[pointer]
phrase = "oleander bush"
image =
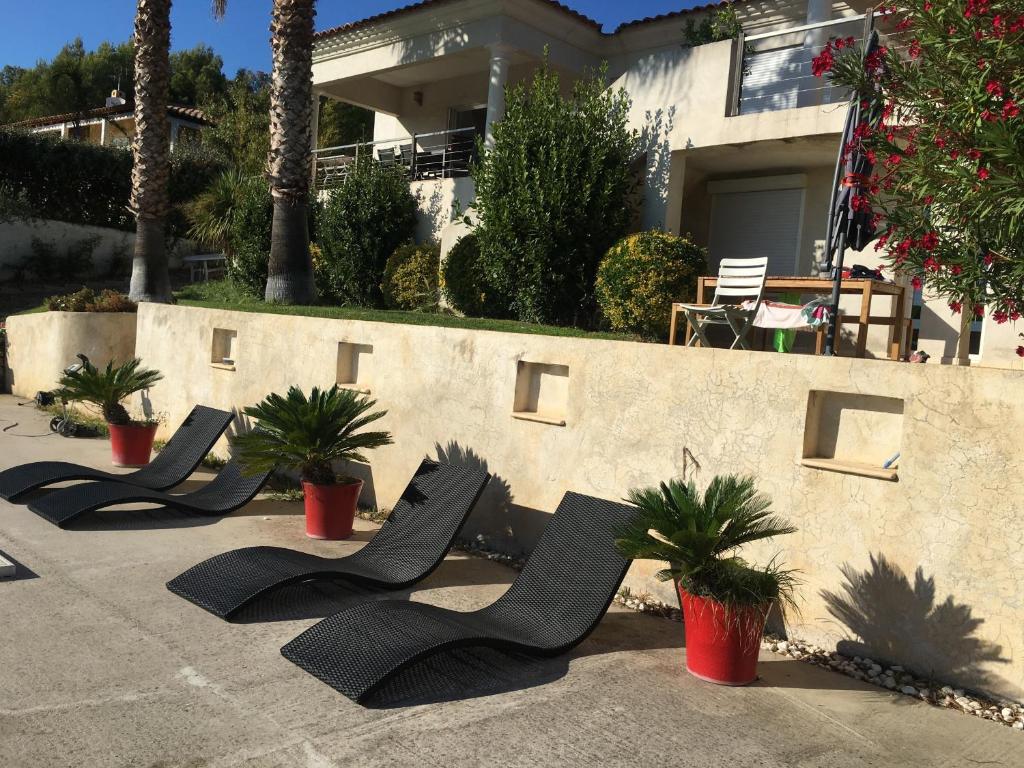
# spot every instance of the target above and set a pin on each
(642, 275)
(552, 197)
(411, 277)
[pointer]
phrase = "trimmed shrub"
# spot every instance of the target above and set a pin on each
(552, 197)
(642, 275)
(462, 277)
(360, 225)
(86, 300)
(248, 237)
(411, 277)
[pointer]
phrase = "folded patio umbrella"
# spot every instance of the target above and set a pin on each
(849, 224)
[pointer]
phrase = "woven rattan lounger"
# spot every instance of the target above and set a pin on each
(409, 546)
(228, 491)
(560, 596)
(172, 466)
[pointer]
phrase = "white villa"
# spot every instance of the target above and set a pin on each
(741, 138)
(744, 164)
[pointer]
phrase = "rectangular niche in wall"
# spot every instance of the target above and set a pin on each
(542, 392)
(224, 347)
(354, 366)
(853, 433)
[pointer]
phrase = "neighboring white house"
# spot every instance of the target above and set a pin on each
(114, 124)
(741, 139)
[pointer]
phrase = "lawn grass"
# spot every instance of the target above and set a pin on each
(223, 294)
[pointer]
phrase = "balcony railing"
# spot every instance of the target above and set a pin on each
(773, 70)
(437, 155)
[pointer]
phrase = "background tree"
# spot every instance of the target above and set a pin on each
(949, 185)
(290, 270)
(150, 149)
(551, 196)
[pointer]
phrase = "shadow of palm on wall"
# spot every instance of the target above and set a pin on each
(897, 621)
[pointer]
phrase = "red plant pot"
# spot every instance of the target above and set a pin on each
(131, 444)
(722, 643)
(330, 509)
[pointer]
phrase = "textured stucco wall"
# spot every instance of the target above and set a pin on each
(112, 252)
(934, 562)
(40, 346)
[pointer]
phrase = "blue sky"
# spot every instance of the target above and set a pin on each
(37, 29)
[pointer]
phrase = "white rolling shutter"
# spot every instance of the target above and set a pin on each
(746, 225)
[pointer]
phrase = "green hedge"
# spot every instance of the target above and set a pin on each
(359, 226)
(80, 183)
(642, 275)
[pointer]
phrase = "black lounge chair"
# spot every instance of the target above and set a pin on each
(409, 546)
(171, 466)
(228, 491)
(558, 599)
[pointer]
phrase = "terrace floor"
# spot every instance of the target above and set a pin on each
(101, 666)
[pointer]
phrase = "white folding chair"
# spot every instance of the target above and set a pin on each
(738, 279)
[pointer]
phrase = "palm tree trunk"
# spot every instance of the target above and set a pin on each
(290, 271)
(151, 165)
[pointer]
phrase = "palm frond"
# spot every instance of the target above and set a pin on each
(109, 387)
(310, 434)
(698, 536)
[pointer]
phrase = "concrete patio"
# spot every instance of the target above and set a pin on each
(101, 666)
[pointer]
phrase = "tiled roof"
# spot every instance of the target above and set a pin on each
(174, 110)
(672, 15)
(388, 15)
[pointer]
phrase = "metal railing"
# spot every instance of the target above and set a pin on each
(436, 155)
(772, 71)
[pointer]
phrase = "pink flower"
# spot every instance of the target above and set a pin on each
(1000, 317)
(989, 258)
(916, 283)
(988, 115)
(940, 142)
(956, 306)
(1010, 109)
(983, 173)
(979, 310)
(995, 88)
(915, 49)
(929, 240)
(956, 269)
(932, 264)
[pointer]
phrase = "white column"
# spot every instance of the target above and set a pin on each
(175, 127)
(314, 136)
(814, 41)
(103, 132)
(314, 122)
(500, 60)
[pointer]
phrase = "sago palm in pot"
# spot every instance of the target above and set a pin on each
(131, 441)
(312, 435)
(725, 600)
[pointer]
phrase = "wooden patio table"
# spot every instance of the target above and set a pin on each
(863, 287)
